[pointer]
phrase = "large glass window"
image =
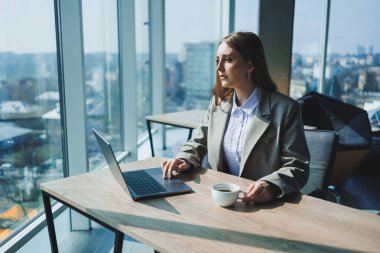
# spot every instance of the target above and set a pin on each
(352, 68)
(192, 30)
(247, 15)
(308, 21)
(103, 96)
(30, 118)
(353, 59)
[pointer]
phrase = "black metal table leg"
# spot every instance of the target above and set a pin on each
(150, 137)
(50, 222)
(119, 237)
(190, 133)
(163, 136)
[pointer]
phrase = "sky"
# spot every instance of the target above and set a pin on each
(352, 23)
(28, 26)
(191, 21)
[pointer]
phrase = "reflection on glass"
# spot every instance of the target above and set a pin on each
(306, 47)
(247, 15)
(30, 119)
(101, 75)
(190, 52)
(144, 84)
(353, 62)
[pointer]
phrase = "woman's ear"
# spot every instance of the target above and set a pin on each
(251, 68)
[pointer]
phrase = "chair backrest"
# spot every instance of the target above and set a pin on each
(322, 146)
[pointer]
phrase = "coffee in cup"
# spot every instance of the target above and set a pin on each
(225, 194)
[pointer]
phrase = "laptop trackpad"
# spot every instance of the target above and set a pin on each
(169, 184)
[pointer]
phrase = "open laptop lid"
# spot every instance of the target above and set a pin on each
(111, 161)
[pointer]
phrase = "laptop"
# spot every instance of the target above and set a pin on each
(140, 184)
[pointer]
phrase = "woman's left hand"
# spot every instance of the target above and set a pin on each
(259, 192)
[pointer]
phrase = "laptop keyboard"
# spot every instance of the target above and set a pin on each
(142, 183)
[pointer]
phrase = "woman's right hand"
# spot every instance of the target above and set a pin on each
(168, 167)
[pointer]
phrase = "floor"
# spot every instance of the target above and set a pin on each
(361, 191)
(99, 240)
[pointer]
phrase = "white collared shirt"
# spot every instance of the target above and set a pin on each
(237, 126)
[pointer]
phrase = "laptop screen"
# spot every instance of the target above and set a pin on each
(111, 160)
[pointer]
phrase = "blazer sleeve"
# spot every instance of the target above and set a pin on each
(294, 171)
(196, 148)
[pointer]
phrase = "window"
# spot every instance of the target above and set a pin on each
(353, 58)
(192, 30)
(30, 118)
(308, 21)
(352, 67)
(101, 57)
(247, 15)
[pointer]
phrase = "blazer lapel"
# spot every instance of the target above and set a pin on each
(256, 128)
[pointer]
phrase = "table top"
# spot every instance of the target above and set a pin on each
(194, 223)
(189, 119)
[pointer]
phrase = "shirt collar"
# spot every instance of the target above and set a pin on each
(249, 105)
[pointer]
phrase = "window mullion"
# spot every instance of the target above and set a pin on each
(74, 104)
(227, 17)
(127, 61)
(324, 42)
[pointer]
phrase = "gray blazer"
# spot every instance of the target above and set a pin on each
(274, 148)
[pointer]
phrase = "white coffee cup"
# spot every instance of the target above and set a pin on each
(225, 194)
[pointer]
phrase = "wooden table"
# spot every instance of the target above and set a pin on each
(185, 119)
(194, 223)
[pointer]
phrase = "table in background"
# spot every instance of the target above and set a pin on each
(185, 119)
(194, 223)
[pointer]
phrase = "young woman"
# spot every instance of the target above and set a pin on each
(250, 130)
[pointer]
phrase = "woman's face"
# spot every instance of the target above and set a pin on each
(232, 69)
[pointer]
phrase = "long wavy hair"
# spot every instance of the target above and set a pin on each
(251, 49)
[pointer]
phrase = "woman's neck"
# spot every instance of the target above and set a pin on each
(242, 94)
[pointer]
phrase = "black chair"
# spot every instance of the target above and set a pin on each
(322, 146)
